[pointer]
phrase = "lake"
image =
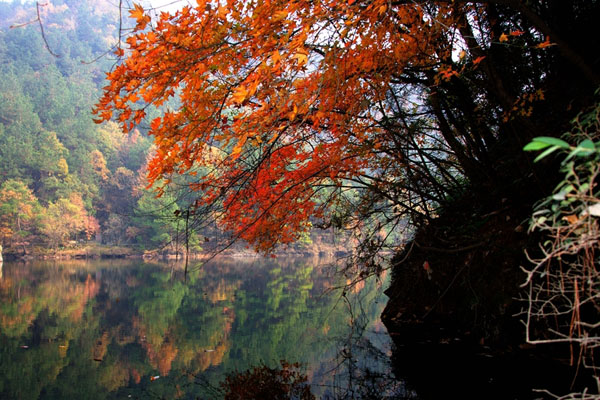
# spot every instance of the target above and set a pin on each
(131, 329)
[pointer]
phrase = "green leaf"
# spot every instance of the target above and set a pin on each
(579, 152)
(588, 145)
(552, 141)
(568, 188)
(545, 153)
(584, 153)
(534, 146)
(559, 196)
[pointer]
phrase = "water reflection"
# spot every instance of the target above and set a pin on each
(136, 330)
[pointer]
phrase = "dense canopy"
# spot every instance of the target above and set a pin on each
(334, 111)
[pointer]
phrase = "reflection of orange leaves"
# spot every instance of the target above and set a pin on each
(91, 288)
(79, 297)
(122, 337)
(503, 38)
(136, 376)
(77, 312)
(100, 347)
(24, 317)
(211, 357)
(166, 355)
(160, 351)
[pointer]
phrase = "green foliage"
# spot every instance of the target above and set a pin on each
(563, 279)
(575, 194)
(48, 140)
(157, 220)
(551, 144)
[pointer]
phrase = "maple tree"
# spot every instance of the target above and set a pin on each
(340, 111)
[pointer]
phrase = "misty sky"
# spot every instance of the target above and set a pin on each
(163, 5)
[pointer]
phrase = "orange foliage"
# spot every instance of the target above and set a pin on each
(135, 375)
(91, 288)
(211, 357)
(98, 164)
(91, 227)
(77, 297)
(25, 315)
(166, 355)
(101, 346)
(160, 351)
(288, 87)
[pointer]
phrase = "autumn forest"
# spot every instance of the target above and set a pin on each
(63, 178)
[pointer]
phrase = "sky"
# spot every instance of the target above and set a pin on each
(170, 5)
(162, 5)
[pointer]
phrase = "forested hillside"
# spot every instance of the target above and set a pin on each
(64, 178)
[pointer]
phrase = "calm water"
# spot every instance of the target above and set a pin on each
(116, 329)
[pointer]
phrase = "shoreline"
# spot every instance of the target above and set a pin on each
(96, 252)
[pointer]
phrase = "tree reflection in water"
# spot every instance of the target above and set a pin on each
(363, 369)
(107, 330)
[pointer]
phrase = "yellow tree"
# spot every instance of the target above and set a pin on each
(64, 219)
(18, 208)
